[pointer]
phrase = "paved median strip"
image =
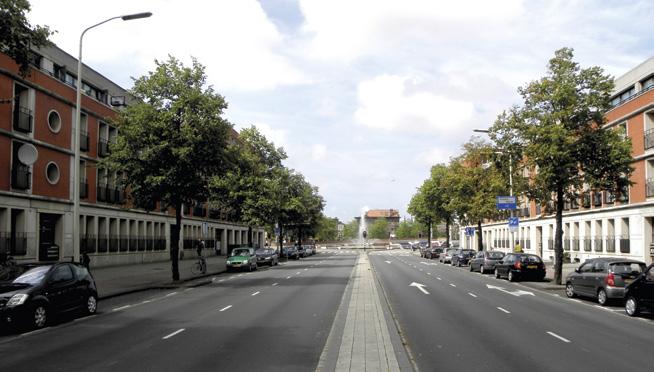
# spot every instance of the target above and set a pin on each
(174, 333)
(557, 336)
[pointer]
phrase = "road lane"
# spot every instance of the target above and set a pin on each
(283, 327)
(468, 330)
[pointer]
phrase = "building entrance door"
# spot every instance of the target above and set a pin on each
(48, 248)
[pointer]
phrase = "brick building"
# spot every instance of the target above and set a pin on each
(599, 222)
(392, 216)
(36, 201)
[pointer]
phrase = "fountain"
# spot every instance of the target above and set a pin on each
(362, 227)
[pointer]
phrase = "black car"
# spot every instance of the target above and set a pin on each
(516, 266)
(433, 252)
(32, 293)
(640, 293)
(461, 257)
(267, 256)
(485, 261)
(290, 252)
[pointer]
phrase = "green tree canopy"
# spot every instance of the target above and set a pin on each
(560, 129)
(327, 229)
(17, 36)
(172, 140)
(378, 229)
(351, 229)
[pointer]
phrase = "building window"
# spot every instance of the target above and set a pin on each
(54, 121)
(23, 115)
(648, 83)
(84, 134)
(21, 175)
(52, 173)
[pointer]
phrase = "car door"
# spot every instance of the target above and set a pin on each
(646, 290)
(475, 262)
(503, 268)
(580, 280)
(60, 288)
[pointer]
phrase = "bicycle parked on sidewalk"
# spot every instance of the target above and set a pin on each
(200, 266)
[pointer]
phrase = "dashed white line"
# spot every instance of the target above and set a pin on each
(298, 273)
(557, 336)
(439, 278)
(188, 289)
(274, 284)
(171, 294)
(174, 333)
(146, 301)
(226, 308)
(255, 293)
(472, 294)
(221, 280)
(122, 308)
(428, 273)
(452, 285)
(288, 277)
(306, 269)
(504, 310)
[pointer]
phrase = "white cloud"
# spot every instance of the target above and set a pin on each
(385, 103)
(276, 136)
(434, 156)
(318, 152)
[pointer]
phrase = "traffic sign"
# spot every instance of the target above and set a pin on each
(470, 231)
(514, 222)
(505, 202)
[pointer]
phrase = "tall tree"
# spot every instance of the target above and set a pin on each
(172, 141)
(351, 229)
(17, 36)
(420, 207)
(440, 190)
(564, 142)
(378, 229)
(327, 229)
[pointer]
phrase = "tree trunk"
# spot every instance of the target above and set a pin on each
(174, 243)
(429, 234)
(447, 232)
(480, 237)
(280, 240)
(250, 236)
(558, 237)
(299, 236)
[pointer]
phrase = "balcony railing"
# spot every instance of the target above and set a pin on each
(114, 243)
(609, 197)
(199, 211)
(141, 242)
(124, 243)
(133, 244)
(650, 187)
(574, 203)
(575, 244)
(103, 243)
(21, 177)
(525, 212)
(649, 139)
(625, 245)
(587, 244)
(88, 243)
(566, 244)
(14, 244)
(586, 202)
(84, 140)
(23, 119)
(149, 243)
(597, 198)
(103, 147)
(610, 243)
(598, 245)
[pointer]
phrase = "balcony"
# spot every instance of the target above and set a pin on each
(15, 244)
(141, 242)
(597, 198)
(586, 201)
(103, 147)
(124, 243)
(625, 245)
(149, 243)
(575, 244)
(84, 140)
(114, 243)
(609, 197)
(598, 245)
(83, 189)
(524, 212)
(133, 244)
(103, 243)
(624, 195)
(21, 177)
(23, 119)
(574, 203)
(87, 243)
(650, 187)
(199, 210)
(649, 139)
(587, 244)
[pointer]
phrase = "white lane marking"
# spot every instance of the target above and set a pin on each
(557, 336)
(419, 286)
(608, 309)
(221, 280)
(298, 273)
(472, 294)
(146, 301)
(239, 275)
(288, 277)
(174, 333)
(171, 294)
(122, 308)
(421, 270)
(439, 278)
(504, 310)
(255, 293)
(274, 284)
(452, 285)
(306, 269)
(388, 262)
(428, 273)
(226, 308)
(188, 289)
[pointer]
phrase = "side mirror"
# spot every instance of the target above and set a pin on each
(577, 270)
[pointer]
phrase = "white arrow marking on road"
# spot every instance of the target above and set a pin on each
(174, 333)
(388, 262)
(517, 293)
(419, 286)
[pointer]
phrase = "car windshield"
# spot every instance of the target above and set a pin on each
(261, 251)
(32, 276)
(530, 259)
(240, 252)
(495, 255)
(627, 267)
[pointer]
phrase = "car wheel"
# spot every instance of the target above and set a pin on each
(91, 305)
(481, 269)
(602, 298)
(497, 273)
(631, 306)
(511, 276)
(570, 290)
(39, 316)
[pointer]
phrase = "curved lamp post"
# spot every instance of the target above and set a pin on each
(78, 115)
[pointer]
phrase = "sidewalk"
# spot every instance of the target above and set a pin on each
(116, 280)
(366, 343)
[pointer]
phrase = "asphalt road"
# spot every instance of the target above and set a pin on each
(462, 324)
(274, 319)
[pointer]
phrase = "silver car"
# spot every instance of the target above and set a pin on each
(446, 257)
(603, 278)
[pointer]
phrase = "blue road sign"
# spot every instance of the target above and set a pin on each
(505, 202)
(470, 231)
(514, 222)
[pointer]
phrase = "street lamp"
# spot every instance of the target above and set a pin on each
(78, 118)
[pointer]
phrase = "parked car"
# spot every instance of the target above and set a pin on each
(603, 278)
(485, 261)
(518, 266)
(405, 245)
(290, 252)
(640, 293)
(446, 257)
(267, 256)
(36, 292)
(243, 259)
(461, 257)
(308, 250)
(300, 251)
(434, 252)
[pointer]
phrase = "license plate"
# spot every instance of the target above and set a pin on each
(532, 266)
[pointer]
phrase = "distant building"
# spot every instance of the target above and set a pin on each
(391, 215)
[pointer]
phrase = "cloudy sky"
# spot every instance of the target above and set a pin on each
(364, 95)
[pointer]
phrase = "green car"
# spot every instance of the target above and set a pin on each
(242, 258)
